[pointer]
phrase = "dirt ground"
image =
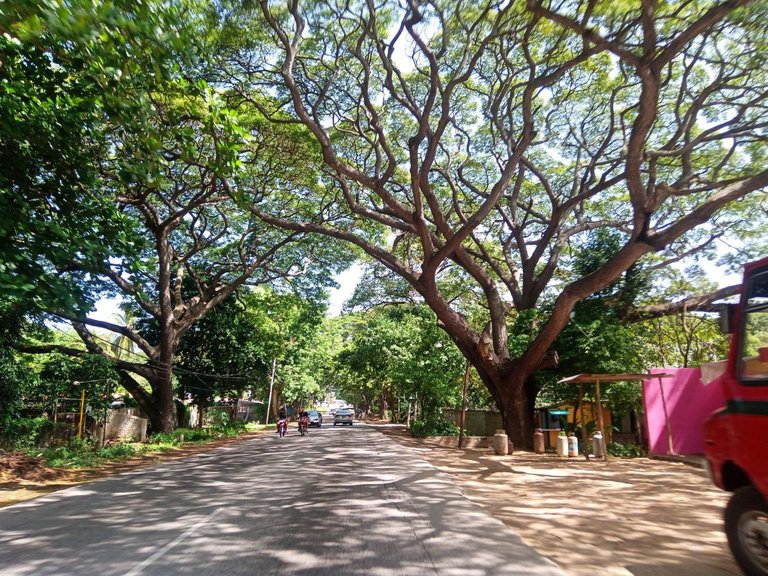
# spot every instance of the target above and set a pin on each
(623, 517)
(25, 477)
(637, 517)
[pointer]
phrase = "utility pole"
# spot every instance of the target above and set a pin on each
(80, 424)
(271, 385)
(463, 416)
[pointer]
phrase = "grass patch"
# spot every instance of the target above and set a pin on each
(81, 454)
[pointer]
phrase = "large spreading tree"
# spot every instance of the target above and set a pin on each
(167, 147)
(487, 142)
(198, 249)
(472, 150)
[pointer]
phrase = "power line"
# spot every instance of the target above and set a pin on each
(174, 369)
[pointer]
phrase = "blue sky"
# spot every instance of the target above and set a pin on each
(107, 310)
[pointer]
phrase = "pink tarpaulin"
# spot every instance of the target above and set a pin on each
(688, 404)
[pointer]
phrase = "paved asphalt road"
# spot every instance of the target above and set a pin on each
(341, 500)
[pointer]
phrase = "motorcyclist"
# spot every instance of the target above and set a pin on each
(304, 420)
(282, 422)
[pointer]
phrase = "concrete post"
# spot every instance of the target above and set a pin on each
(500, 443)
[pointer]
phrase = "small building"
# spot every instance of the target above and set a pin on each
(249, 410)
(565, 416)
(677, 408)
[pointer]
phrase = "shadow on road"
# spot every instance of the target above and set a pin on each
(623, 517)
(338, 501)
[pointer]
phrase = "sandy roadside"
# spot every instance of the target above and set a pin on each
(623, 517)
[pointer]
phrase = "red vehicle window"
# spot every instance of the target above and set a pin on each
(753, 357)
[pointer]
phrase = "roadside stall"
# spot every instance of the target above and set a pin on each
(597, 379)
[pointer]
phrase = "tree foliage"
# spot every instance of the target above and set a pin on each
(229, 352)
(292, 330)
(12, 379)
(509, 163)
(53, 104)
(488, 143)
(398, 353)
(169, 169)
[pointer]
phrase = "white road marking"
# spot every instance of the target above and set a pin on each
(168, 547)
(289, 456)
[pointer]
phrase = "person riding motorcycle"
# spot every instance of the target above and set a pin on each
(303, 422)
(282, 422)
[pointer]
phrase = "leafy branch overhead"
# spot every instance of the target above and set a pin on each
(500, 162)
(165, 169)
(495, 140)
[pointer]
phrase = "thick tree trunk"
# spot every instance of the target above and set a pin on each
(514, 394)
(202, 406)
(159, 406)
(516, 412)
(383, 408)
(164, 419)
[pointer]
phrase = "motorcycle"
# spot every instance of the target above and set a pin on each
(282, 427)
(303, 425)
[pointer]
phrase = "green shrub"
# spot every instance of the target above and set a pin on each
(222, 427)
(223, 424)
(218, 418)
(163, 438)
(624, 450)
(79, 453)
(25, 433)
(118, 452)
(181, 435)
(76, 454)
(195, 434)
(433, 426)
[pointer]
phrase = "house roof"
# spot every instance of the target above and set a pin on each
(618, 377)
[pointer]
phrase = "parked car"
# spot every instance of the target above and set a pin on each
(343, 416)
(315, 418)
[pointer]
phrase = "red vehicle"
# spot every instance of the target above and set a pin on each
(736, 437)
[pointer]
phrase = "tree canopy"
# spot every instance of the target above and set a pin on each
(503, 163)
(491, 142)
(398, 353)
(168, 148)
